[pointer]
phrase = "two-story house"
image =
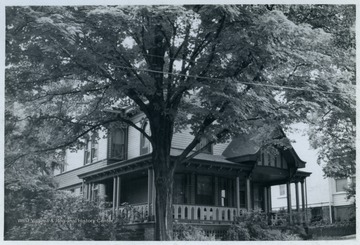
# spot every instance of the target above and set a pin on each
(211, 189)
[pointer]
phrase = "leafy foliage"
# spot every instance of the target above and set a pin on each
(253, 226)
(187, 232)
(70, 217)
(220, 70)
(26, 196)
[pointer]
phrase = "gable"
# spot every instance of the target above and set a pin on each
(245, 148)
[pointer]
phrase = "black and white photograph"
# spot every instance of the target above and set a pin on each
(179, 122)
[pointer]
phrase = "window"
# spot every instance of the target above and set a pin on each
(87, 151)
(144, 142)
(224, 190)
(91, 149)
(316, 214)
(118, 144)
(203, 142)
(282, 190)
(204, 190)
(341, 184)
(94, 148)
(179, 196)
(242, 199)
(62, 168)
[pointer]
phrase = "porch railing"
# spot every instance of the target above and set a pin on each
(204, 213)
(282, 218)
(131, 213)
(138, 213)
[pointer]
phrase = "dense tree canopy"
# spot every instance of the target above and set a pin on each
(220, 70)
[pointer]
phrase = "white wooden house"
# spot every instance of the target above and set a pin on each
(213, 188)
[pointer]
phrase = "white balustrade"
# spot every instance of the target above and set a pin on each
(205, 213)
(139, 213)
(134, 212)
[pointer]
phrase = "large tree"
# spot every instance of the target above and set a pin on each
(218, 70)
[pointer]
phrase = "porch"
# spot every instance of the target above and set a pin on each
(206, 190)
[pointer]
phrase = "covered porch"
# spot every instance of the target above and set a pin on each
(207, 189)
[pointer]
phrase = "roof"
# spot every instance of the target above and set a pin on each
(241, 146)
(145, 159)
(204, 157)
(247, 145)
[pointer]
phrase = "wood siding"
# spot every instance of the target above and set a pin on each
(339, 199)
(71, 178)
(183, 139)
(133, 142)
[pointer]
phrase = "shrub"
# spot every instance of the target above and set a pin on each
(186, 232)
(70, 218)
(238, 232)
(253, 226)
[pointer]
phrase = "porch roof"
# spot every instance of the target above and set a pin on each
(204, 157)
(144, 161)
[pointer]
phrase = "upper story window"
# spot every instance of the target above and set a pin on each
(144, 142)
(62, 168)
(204, 142)
(91, 149)
(272, 159)
(118, 144)
(341, 185)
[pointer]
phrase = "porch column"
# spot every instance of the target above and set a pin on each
(118, 192)
(114, 193)
(288, 192)
(266, 205)
(150, 192)
(237, 192)
(91, 186)
(297, 196)
(248, 194)
(83, 189)
(269, 198)
(303, 200)
(306, 200)
(298, 219)
(268, 195)
(153, 201)
(89, 191)
(86, 190)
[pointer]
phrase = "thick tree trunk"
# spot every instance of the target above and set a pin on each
(164, 214)
(164, 175)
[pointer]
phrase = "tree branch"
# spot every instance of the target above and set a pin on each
(8, 163)
(192, 155)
